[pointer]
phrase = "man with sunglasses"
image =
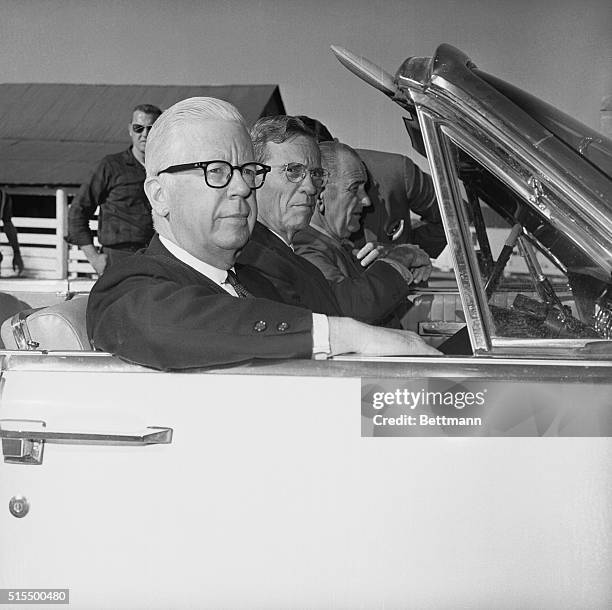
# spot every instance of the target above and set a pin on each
(116, 186)
(184, 301)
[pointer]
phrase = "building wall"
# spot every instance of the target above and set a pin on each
(561, 50)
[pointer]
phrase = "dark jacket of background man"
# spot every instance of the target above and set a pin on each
(125, 212)
(396, 187)
(116, 185)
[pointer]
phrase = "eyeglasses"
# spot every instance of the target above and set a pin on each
(137, 128)
(218, 174)
(296, 172)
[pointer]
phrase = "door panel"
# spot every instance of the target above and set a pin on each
(269, 497)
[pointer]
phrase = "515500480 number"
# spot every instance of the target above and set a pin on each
(38, 596)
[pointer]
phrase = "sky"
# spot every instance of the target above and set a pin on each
(559, 50)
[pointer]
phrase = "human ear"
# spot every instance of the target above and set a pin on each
(157, 195)
(321, 205)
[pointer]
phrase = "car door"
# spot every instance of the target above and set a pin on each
(267, 494)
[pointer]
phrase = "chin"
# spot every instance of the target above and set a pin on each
(302, 222)
(236, 240)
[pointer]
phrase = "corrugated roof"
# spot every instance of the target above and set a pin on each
(56, 133)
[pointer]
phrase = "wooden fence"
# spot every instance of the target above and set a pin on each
(45, 252)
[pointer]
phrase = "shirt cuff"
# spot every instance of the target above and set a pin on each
(321, 349)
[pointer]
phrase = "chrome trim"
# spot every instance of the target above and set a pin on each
(366, 70)
(21, 332)
(439, 329)
(587, 217)
(537, 193)
(538, 344)
(586, 142)
(19, 506)
(448, 196)
(25, 451)
(471, 100)
(518, 367)
(23, 442)
(155, 435)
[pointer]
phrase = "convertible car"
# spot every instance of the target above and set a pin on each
(271, 484)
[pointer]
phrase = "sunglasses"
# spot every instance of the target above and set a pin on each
(137, 128)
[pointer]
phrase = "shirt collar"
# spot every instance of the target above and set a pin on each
(279, 236)
(218, 276)
(131, 159)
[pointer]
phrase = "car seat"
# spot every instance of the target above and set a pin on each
(60, 327)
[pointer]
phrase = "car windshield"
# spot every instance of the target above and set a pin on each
(538, 282)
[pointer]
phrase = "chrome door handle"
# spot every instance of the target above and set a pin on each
(25, 446)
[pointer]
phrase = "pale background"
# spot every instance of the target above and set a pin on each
(558, 50)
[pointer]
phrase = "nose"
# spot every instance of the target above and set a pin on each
(307, 186)
(237, 186)
(364, 199)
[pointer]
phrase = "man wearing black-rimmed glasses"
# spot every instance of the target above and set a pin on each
(116, 186)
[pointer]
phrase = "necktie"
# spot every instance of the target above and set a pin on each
(241, 291)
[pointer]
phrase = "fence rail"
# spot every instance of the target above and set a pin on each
(45, 252)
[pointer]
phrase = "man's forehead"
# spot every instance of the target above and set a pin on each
(215, 129)
(301, 146)
(142, 118)
(352, 166)
(211, 138)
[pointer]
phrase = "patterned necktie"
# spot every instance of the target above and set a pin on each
(241, 291)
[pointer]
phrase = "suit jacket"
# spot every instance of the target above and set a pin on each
(396, 186)
(297, 281)
(155, 310)
(370, 294)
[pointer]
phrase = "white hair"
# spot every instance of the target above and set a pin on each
(158, 151)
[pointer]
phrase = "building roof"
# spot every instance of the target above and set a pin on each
(54, 134)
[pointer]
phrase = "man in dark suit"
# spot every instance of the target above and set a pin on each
(285, 205)
(183, 302)
(325, 242)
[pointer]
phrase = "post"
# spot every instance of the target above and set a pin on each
(605, 123)
(61, 231)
